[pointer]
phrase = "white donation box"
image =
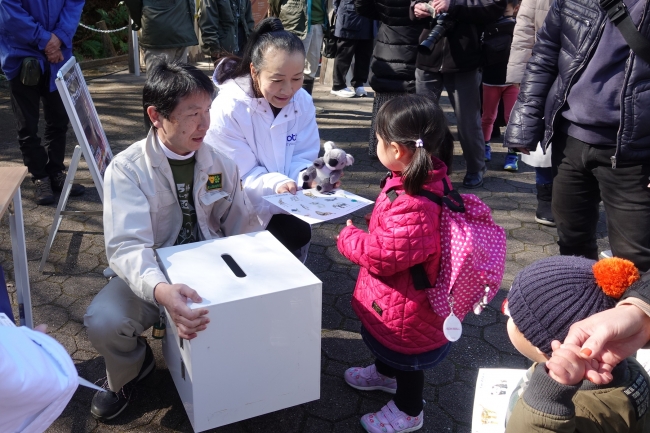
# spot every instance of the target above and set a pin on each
(261, 350)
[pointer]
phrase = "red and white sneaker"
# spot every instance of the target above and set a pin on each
(391, 420)
(368, 379)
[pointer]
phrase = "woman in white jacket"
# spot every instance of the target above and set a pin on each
(266, 123)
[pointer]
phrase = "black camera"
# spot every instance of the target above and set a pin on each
(443, 25)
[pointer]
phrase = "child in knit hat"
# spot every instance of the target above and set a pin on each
(546, 298)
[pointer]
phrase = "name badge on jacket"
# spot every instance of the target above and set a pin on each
(214, 182)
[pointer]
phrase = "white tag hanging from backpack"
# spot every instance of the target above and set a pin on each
(452, 328)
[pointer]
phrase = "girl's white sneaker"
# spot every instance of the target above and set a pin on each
(391, 420)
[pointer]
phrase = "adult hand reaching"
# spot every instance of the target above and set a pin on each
(174, 297)
(287, 187)
(440, 6)
(608, 338)
(420, 11)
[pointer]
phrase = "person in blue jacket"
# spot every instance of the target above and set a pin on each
(35, 42)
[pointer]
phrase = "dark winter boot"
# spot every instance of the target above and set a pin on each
(308, 84)
(544, 215)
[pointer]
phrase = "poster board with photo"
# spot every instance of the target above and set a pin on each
(92, 143)
(84, 120)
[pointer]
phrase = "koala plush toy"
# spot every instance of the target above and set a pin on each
(327, 170)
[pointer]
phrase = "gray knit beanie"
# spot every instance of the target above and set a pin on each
(550, 295)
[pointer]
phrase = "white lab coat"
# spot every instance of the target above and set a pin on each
(38, 380)
(269, 151)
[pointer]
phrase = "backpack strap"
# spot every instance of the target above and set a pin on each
(453, 200)
(392, 195)
(619, 16)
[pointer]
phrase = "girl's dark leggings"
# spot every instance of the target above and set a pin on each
(410, 386)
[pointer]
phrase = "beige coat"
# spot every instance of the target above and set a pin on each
(530, 18)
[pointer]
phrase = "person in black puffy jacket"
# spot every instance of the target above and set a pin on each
(585, 91)
(454, 64)
(392, 67)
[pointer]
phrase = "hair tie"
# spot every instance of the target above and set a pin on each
(419, 143)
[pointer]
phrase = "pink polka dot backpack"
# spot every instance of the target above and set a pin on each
(473, 256)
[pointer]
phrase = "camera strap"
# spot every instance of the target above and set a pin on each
(619, 16)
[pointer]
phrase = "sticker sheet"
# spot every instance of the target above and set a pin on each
(314, 207)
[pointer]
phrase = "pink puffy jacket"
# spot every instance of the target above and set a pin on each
(402, 233)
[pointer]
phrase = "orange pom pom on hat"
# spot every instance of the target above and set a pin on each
(614, 275)
(550, 295)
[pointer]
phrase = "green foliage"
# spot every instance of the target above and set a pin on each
(88, 44)
(93, 47)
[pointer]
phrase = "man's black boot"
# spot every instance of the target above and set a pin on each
(108, 405)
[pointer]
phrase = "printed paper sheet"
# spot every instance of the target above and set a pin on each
(494, 386)
(314, 207)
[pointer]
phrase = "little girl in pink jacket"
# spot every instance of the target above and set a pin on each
(399, 325)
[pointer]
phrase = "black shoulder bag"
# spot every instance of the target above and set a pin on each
(619, 16)
(329, 40)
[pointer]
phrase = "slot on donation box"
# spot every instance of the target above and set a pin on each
(261, 350)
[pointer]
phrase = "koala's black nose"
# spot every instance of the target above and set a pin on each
(333, 162)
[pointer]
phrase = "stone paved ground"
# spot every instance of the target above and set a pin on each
(73, 276)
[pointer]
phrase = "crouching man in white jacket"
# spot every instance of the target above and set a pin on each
(167, 189)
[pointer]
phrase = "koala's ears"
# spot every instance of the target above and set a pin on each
(349, 159)
(329, 145)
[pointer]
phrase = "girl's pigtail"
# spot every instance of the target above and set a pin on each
(416, 173)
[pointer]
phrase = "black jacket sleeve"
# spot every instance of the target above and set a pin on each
(640, 289)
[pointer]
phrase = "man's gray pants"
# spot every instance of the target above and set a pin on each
(465, 98)
(115, 319)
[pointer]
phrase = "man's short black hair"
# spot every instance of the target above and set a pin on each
(167, 83)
